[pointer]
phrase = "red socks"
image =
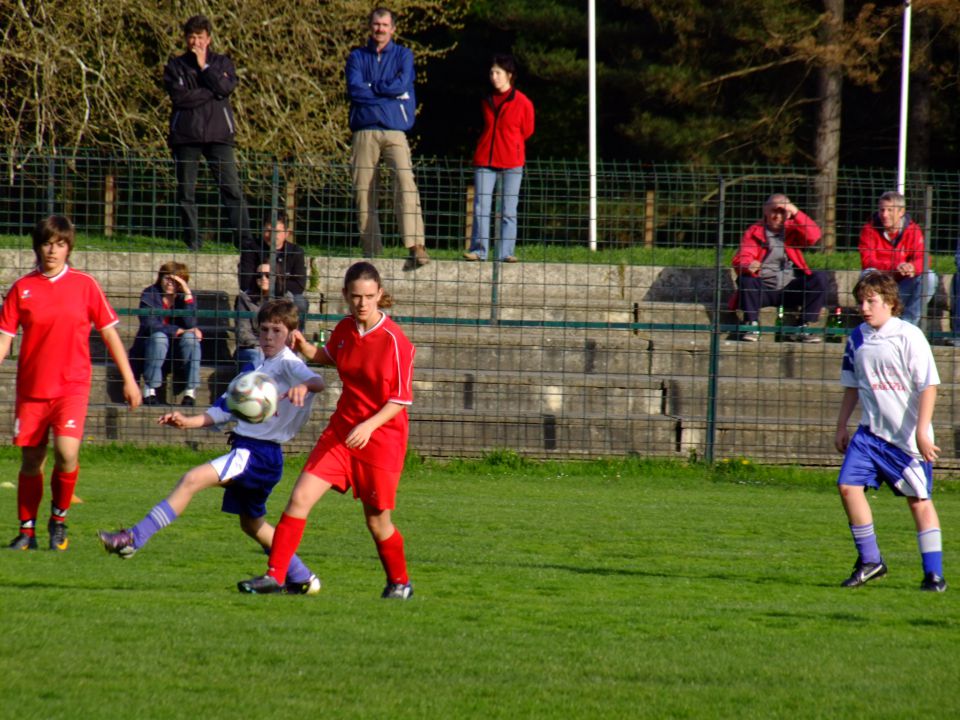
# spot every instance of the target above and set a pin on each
(29, 493)
(392, 557)
(286, 540)
(62, 485)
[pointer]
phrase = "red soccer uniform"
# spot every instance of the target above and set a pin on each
(55, 314)
(376, 367)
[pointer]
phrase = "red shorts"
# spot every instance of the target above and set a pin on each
(34, 419)
(332, 461)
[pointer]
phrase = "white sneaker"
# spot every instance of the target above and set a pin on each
(751, 335)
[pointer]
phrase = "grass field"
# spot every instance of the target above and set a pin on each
(598, 590)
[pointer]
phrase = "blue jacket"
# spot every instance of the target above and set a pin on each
(380, 87)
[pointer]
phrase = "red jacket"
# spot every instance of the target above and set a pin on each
(798, 232)
(881, 254)
(505, 130)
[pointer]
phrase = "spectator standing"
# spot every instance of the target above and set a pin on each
(200, 83)
(55, 305)
(508, 121)
(160, 332)
(891, 242)
(380, 84)
(290, 264)
(771, 270)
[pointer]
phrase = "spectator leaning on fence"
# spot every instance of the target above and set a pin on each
(290, 269)
(893, 243)
(380, 78)
(200, 83)
(771, 269)
(160, 332)
(507, 124)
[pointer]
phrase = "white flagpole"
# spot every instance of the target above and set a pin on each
(904, 95)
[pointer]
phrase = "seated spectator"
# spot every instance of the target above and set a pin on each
(771, 270)
(159, 333)
(893, 243)
(248, 340)
(290, 272)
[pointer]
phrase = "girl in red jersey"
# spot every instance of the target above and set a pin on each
(55, 305)
(364, 445)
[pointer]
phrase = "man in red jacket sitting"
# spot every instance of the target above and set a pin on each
(771, 269)
(893, 243)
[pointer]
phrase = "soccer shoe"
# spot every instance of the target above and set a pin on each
(397, 591)
(23, 542)
(260, 585)
(119, 542)
(310, 587)
(864, 573)
(58, 535)
(933, 583)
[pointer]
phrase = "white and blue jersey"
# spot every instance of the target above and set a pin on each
(890, 366)
(254, 464)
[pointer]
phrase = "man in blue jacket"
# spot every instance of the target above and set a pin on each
(380, 79)
(199, 83)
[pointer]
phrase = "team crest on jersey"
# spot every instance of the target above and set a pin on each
(25, 294)
(71, 424)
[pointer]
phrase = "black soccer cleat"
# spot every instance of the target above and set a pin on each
(864, 573)
(260, 585)
(118, 543)
(933, 583)
(58, 535)
(397, 591)
(23, 542)
(311, 586)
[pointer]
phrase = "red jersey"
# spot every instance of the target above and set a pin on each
(55, 314)
(376, 367)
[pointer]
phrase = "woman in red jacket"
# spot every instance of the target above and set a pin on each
(508, 122)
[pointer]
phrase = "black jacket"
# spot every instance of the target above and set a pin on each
(201, 99)
(291, 270)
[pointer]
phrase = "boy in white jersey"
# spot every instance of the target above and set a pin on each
(889, 368)
(249, 472)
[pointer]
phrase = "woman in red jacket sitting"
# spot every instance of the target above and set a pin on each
(508, 122)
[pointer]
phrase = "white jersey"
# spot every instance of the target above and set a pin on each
(890, 367)
(287, 369)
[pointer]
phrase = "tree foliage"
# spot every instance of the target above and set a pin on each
(88, 73)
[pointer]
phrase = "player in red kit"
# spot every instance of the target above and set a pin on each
(55, 306)
(364, 445)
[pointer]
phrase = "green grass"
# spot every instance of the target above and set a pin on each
(589, 590)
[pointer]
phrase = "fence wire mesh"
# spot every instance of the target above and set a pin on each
(571, 352)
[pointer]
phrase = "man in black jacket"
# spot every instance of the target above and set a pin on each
(199, 83)
(289, 264)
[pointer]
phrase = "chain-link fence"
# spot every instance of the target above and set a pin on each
(571, 352)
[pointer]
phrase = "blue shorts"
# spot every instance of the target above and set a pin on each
(252, 469)
(871, 460)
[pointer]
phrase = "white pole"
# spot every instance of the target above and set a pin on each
(592, 102)
(904, 95)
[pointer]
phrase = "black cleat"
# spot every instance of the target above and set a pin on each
(397, 591)
(933, 583)
(864, 573)
(23, 542)
(309, 587)
(58, 535)
(260, 585)
(118, 543)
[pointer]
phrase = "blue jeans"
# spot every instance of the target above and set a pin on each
(915, 294)
(251, 355)
(188, 353)
(485, 180)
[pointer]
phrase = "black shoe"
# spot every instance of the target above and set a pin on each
(397, 591)
(864, 573)
(151, 400)
(188, 401)
(933, 583)
(58, 535)
(119, 542)
(261, 585)
(23, 542)
(309, 587)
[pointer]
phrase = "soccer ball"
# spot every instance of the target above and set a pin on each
(252, 397)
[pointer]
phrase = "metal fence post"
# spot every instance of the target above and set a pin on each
(715, 330)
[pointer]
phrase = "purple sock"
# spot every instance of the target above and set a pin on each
(297, 572)
(866, 541)
(159, 517)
